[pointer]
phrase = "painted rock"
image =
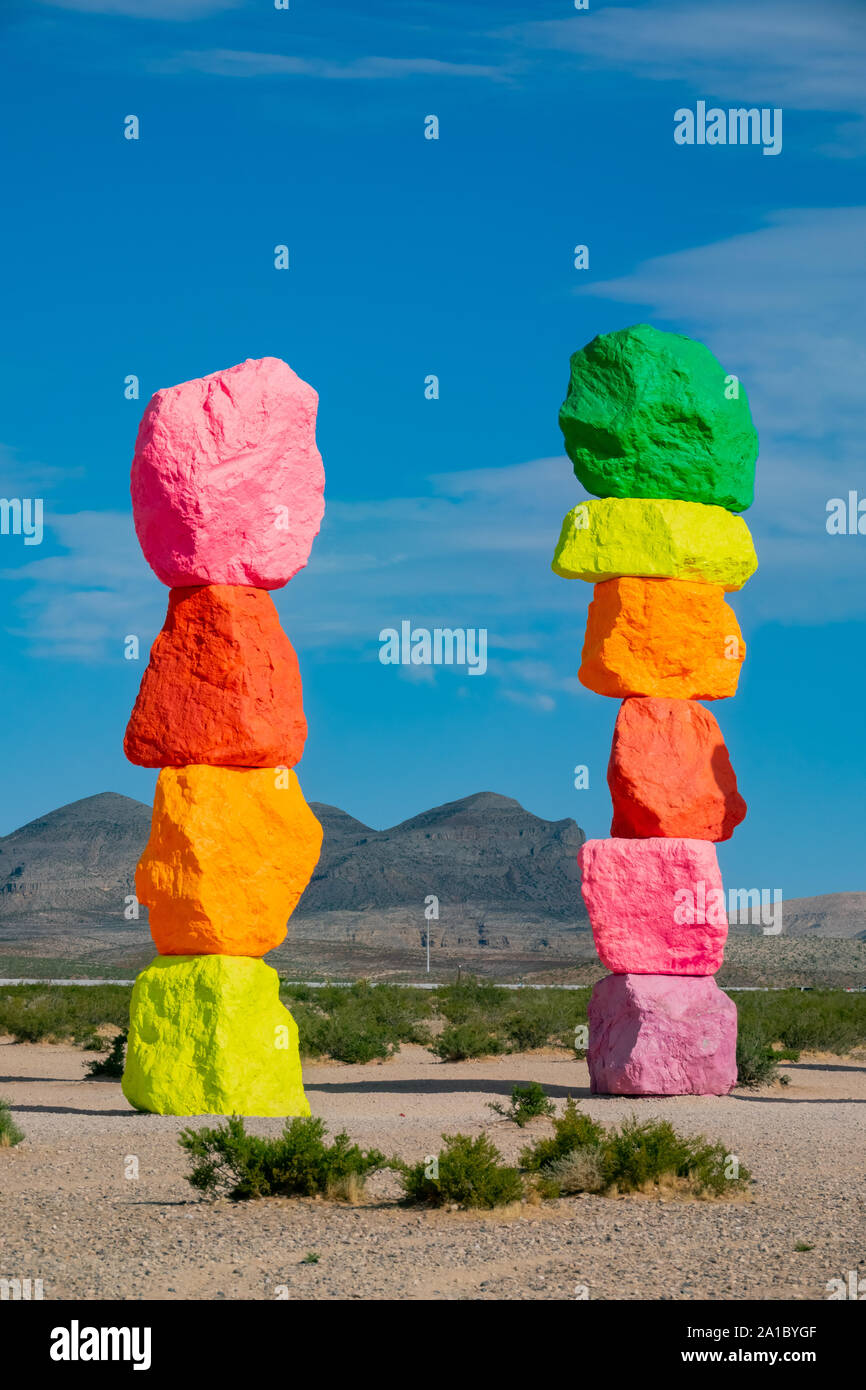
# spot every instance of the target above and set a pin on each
(230, 852)
(657, 907)
(661, 1035)
(227, 482)
(209, 1036)
(664, 637)
(655, 538)
(222, 686)
(670, 773)
(652, 414)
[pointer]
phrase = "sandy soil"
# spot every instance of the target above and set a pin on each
(73, 1215)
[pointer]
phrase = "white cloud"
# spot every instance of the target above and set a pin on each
(29, 478)
(473, 553)
(531, 700)
(788, 53)
(226, 62)
(781, 307)
(81, 604)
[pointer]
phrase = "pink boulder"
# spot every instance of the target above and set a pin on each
(227, 482)
(657, 907)
(661, 1035)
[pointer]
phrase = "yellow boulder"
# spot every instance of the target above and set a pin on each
(230, 852)
(209, 1036)
(654, 538)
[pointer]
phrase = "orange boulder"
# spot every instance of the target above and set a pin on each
(231, 850)
(222, 685)
(670, 774)
(664, 637)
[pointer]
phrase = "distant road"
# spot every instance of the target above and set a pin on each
(346, 984)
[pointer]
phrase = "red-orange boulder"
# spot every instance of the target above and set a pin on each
(670, 774)
(222, 686)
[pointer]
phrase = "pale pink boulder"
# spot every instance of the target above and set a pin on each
(661, 1035)
(657, 906)
(227, 482)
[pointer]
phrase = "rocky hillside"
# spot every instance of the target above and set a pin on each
(503, 878)
(479, 856)
(77, 861)
(484, 850)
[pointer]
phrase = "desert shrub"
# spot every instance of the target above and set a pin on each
(458, 1041)
(542, 1017)
(10, 1134)
(57, 1013)
(571, 1130)
(526, 1103)
(819, 1020)
(112, 1065)
(348, 1036)
(359, 1023)
(757, 1063)
(581, 1156)
(525, 1031)
(642, 1154)
(581, 1170)
(297, 992)
(470, 1174)
(472, 999)
(228, 1162)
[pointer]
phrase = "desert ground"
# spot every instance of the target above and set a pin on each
(73, 1214)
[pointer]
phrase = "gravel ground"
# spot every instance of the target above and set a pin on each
(73, 1214)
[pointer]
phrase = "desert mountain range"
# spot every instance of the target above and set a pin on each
(502, 876)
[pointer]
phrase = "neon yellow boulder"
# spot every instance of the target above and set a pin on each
(654, 538)
(209, 1036)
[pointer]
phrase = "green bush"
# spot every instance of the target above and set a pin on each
(544, 1017)
(521, 1019)
(297, 992)
(10, 1134)
(471, 999)
(526, 1103)
(57, 1013)
(458, 1041)
(228, 1162)
(470, 1174)
(361, 1023)
(819, 1020)
(581, 1156)
(571, 1130)
(112, 1065)
(757, 1063)
(645, 1153)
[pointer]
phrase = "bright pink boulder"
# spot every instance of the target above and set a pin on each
(661, 1035)
(657, 907)
(227, 482)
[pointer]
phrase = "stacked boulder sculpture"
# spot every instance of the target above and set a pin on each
(664, 439)
(227, 494)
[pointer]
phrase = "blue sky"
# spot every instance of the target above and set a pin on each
(453, 257)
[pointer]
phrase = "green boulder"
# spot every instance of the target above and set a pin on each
(652, 414)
